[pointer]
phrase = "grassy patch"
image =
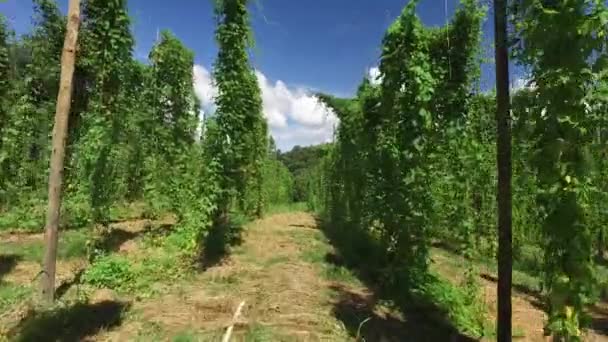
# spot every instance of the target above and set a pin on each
(316, 250)
(72, 244)
(339, 274)
(27, 216)
(143, 276)
(113, 272)
(11, 294)
(127, 211)
(259, 333)
(186, 336)
(280, 259)
(27, 251)
(464, 310)
(286, 208)
(453, 264)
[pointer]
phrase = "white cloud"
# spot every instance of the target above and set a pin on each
(294, 116)
(374, 76)
(204, 88)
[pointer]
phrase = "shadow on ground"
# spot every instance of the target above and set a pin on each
(73, 323)
(599, 319)
(113, 239)
(536, 299)
(65, 286)
(364, 323)
(215, 247)
(419, 320)
(303, 226)
(7, 263)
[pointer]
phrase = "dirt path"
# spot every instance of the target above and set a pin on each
(294, 289)
(274, 271)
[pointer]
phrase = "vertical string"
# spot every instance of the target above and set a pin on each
(447, 35)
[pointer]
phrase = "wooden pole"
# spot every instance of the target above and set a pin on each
(64, 98)
(503, 145)
(235, 317)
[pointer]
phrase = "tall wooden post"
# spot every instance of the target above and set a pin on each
(503, 145)
(64, 98)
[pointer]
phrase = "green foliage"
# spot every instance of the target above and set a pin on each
(568, 99)
(27, 104)
(11, 294)
(101, 150)
(241, 141)
(465, 312)
(178, 177)
(72, 244)
(278, 182)
(414, 156)
(113, 272)
(404, 168)
(300, 161)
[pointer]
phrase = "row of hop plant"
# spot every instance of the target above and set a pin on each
(414, 157)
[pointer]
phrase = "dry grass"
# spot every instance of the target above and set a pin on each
(528, 315)
(283, 294)
(280, 271)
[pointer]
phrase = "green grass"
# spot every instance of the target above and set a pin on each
(280, 259)
(466, 312)
(144, 276)
(286, 208)
(339, 274)
(259, 333)
(72, 244)
(486, 265)
(316, 250)
(11, 294)
(314, 246)
(186, 336)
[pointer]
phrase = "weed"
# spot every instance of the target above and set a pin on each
(339, 274)
(185, 337)
(112, 272)
(11, 294)
(259, 333)
(72, 244)
(28, 251)
(466, 313)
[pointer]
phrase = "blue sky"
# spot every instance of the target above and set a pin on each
(320, 45)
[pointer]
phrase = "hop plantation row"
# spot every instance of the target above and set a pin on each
(419, 158)
(414, 161)
(134, 132)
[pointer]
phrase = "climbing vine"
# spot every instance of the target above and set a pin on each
(566, 89)
(107, 45)
(242, 137)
